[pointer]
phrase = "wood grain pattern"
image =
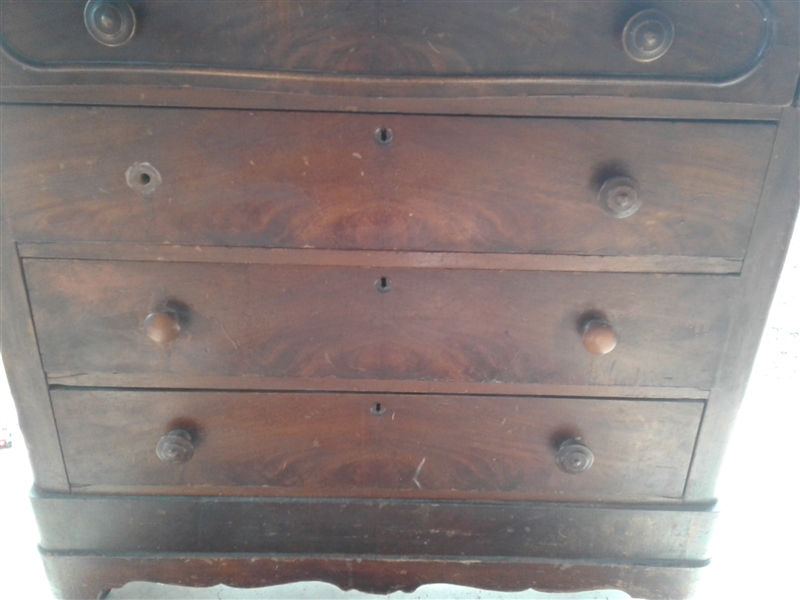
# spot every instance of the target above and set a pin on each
(325, 322)
(407, 316)
(124, 523)
(87, 575)
(500, 38)
(436, 444)
(296, 180)
(732, 52)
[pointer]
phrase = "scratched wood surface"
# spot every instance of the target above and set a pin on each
(492, 359)
(297, 180)
(335, 443)
(501, 38)
(412, 527)
(432, 56)
(87, 575)
(329, 322)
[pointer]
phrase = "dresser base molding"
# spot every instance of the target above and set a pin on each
(88, 576)
(91, 543)
(378, 527)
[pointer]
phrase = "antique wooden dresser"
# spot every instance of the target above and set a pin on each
(386, 293)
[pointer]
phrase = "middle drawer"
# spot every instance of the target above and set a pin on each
(231, 320)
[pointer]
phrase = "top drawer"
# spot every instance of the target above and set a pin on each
(429, 49)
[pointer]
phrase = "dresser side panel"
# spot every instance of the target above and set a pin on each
(23, 366)
(765, 256)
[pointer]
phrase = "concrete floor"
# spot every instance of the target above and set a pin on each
(755, 550)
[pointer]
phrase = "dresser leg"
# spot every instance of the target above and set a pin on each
(79, 578)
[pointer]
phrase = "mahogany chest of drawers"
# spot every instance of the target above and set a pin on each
(387, 293)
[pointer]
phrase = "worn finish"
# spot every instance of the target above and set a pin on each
(436, 325)
(176, 447)
(648, 35)
(573, 457)
(216, 382)
(24, 370)
(473, 300)
(381, 259)
(84, 522)
(444, 184)
(593, 106)
(399, 50)
(599, 336)
(771, 235)
(316, 443)
(82, 575)
(110, 22)
(499, 39)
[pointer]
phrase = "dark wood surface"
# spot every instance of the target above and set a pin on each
(408, 386)
(373, 445)
(501, 38)
(444, 184)
(591, 106)
(99, 532)
(326, 322)
(125, 523)
(77, 575)
(381, 258)
(770, 241)
(396, 50)
(263, 239)
(23, 366)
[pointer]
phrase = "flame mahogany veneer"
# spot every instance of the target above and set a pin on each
(388, 293)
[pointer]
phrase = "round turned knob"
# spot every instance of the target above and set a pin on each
(599, 337)
(175, 447)
(619, 196)
(573, 457)
(110, 22)
(648, 35)
(162, 327)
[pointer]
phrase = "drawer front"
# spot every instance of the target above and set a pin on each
(369, 324)
(328, 444)
(566, 43)
(299, 180)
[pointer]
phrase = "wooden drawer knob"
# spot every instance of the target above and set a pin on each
(619, 196)
(163, 326)
(175, 447)
(599, 337)
(648, 35)
(574, 457)
(110, 22)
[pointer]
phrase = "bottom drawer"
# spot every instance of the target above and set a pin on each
(376, 445)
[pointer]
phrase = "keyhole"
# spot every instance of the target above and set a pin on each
(383, 284)
(143, 177)
(384, 135)
(378, 409)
